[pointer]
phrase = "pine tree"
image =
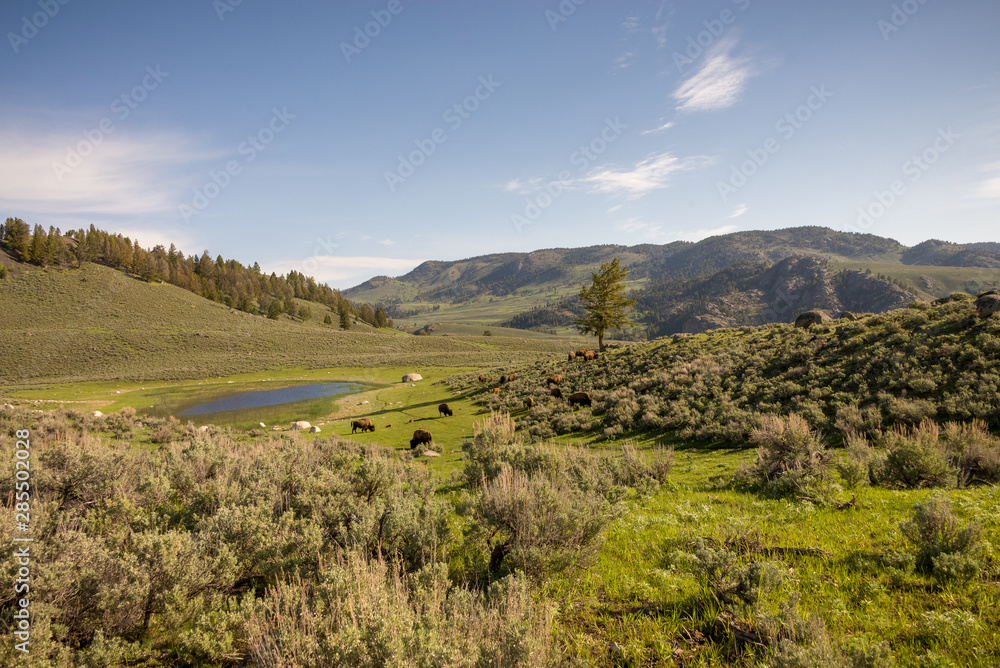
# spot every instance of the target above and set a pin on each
(345, 317)
(605, 303)
(380, 319)
(36, 249)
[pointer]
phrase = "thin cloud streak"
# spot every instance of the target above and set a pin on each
(719, 82)
(122, 175)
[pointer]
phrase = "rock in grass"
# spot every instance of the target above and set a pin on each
(810, 318)
(98, 414)
(262, 425)
(301, 424)
(412, 377)
(313, 430)
(431, 453)
(987, 305)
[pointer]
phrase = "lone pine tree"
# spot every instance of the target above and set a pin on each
(605, 302)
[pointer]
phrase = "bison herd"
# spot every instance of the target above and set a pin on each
(583, 354)
(576, 399)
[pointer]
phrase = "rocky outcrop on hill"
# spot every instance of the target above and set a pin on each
(754, 294)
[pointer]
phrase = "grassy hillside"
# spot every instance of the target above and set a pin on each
(892, 369)
(98, 323)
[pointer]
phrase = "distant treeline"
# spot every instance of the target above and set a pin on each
(224, 281)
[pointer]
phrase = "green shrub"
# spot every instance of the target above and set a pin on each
(973, 450)
(934, 531)
(790, 458)
(949, 569)
(539, 525)
(916, 458)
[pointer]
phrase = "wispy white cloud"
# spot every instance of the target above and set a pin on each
(344, 271)
(523, 186)
(719, 82)
(123, 174)
(655, 232)
(639, 228)
(739, 211)
(624, 60)
(660, 34)
(653, 173)
(665, 126)
(989, 188)
(631, 22)
(704, 233)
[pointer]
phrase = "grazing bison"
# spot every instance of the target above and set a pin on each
(556, 392)
(444, 409)
(555, 380)
(529, 402)
(503, 380)
(581, 398)
(582, 352)
(511, 378)
(589, 355)
(364, 424)
(572, 356)
(420, 436)
(482, 378)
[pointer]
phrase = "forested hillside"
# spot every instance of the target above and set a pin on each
(229, 282)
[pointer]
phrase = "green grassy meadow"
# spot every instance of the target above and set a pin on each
(695, 567)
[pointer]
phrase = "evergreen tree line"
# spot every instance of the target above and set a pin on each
(224, 281)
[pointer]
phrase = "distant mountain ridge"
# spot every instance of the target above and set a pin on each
(739, 278)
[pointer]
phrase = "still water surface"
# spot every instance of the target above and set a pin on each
(285, 395)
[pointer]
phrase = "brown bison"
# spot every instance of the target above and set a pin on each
(581, 398)
(589, 355)
(572, 356)
(582, 352)
(511, 378)
(420, 437)
(444, 409)
(556, 392)
(482, 378)
(555, 380)
(503, 380)
(364, 424)
(529, 402)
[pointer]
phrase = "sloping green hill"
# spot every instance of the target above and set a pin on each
(98, 323)
(896, 368)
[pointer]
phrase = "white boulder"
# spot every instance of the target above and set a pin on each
(301, 424)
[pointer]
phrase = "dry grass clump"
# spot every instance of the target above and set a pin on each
(365, 612)
(790, 456)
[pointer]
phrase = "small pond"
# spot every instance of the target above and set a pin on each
(259, 398)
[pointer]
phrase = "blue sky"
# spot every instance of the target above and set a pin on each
(348, 140)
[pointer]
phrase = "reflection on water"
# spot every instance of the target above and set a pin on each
(285, 395)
